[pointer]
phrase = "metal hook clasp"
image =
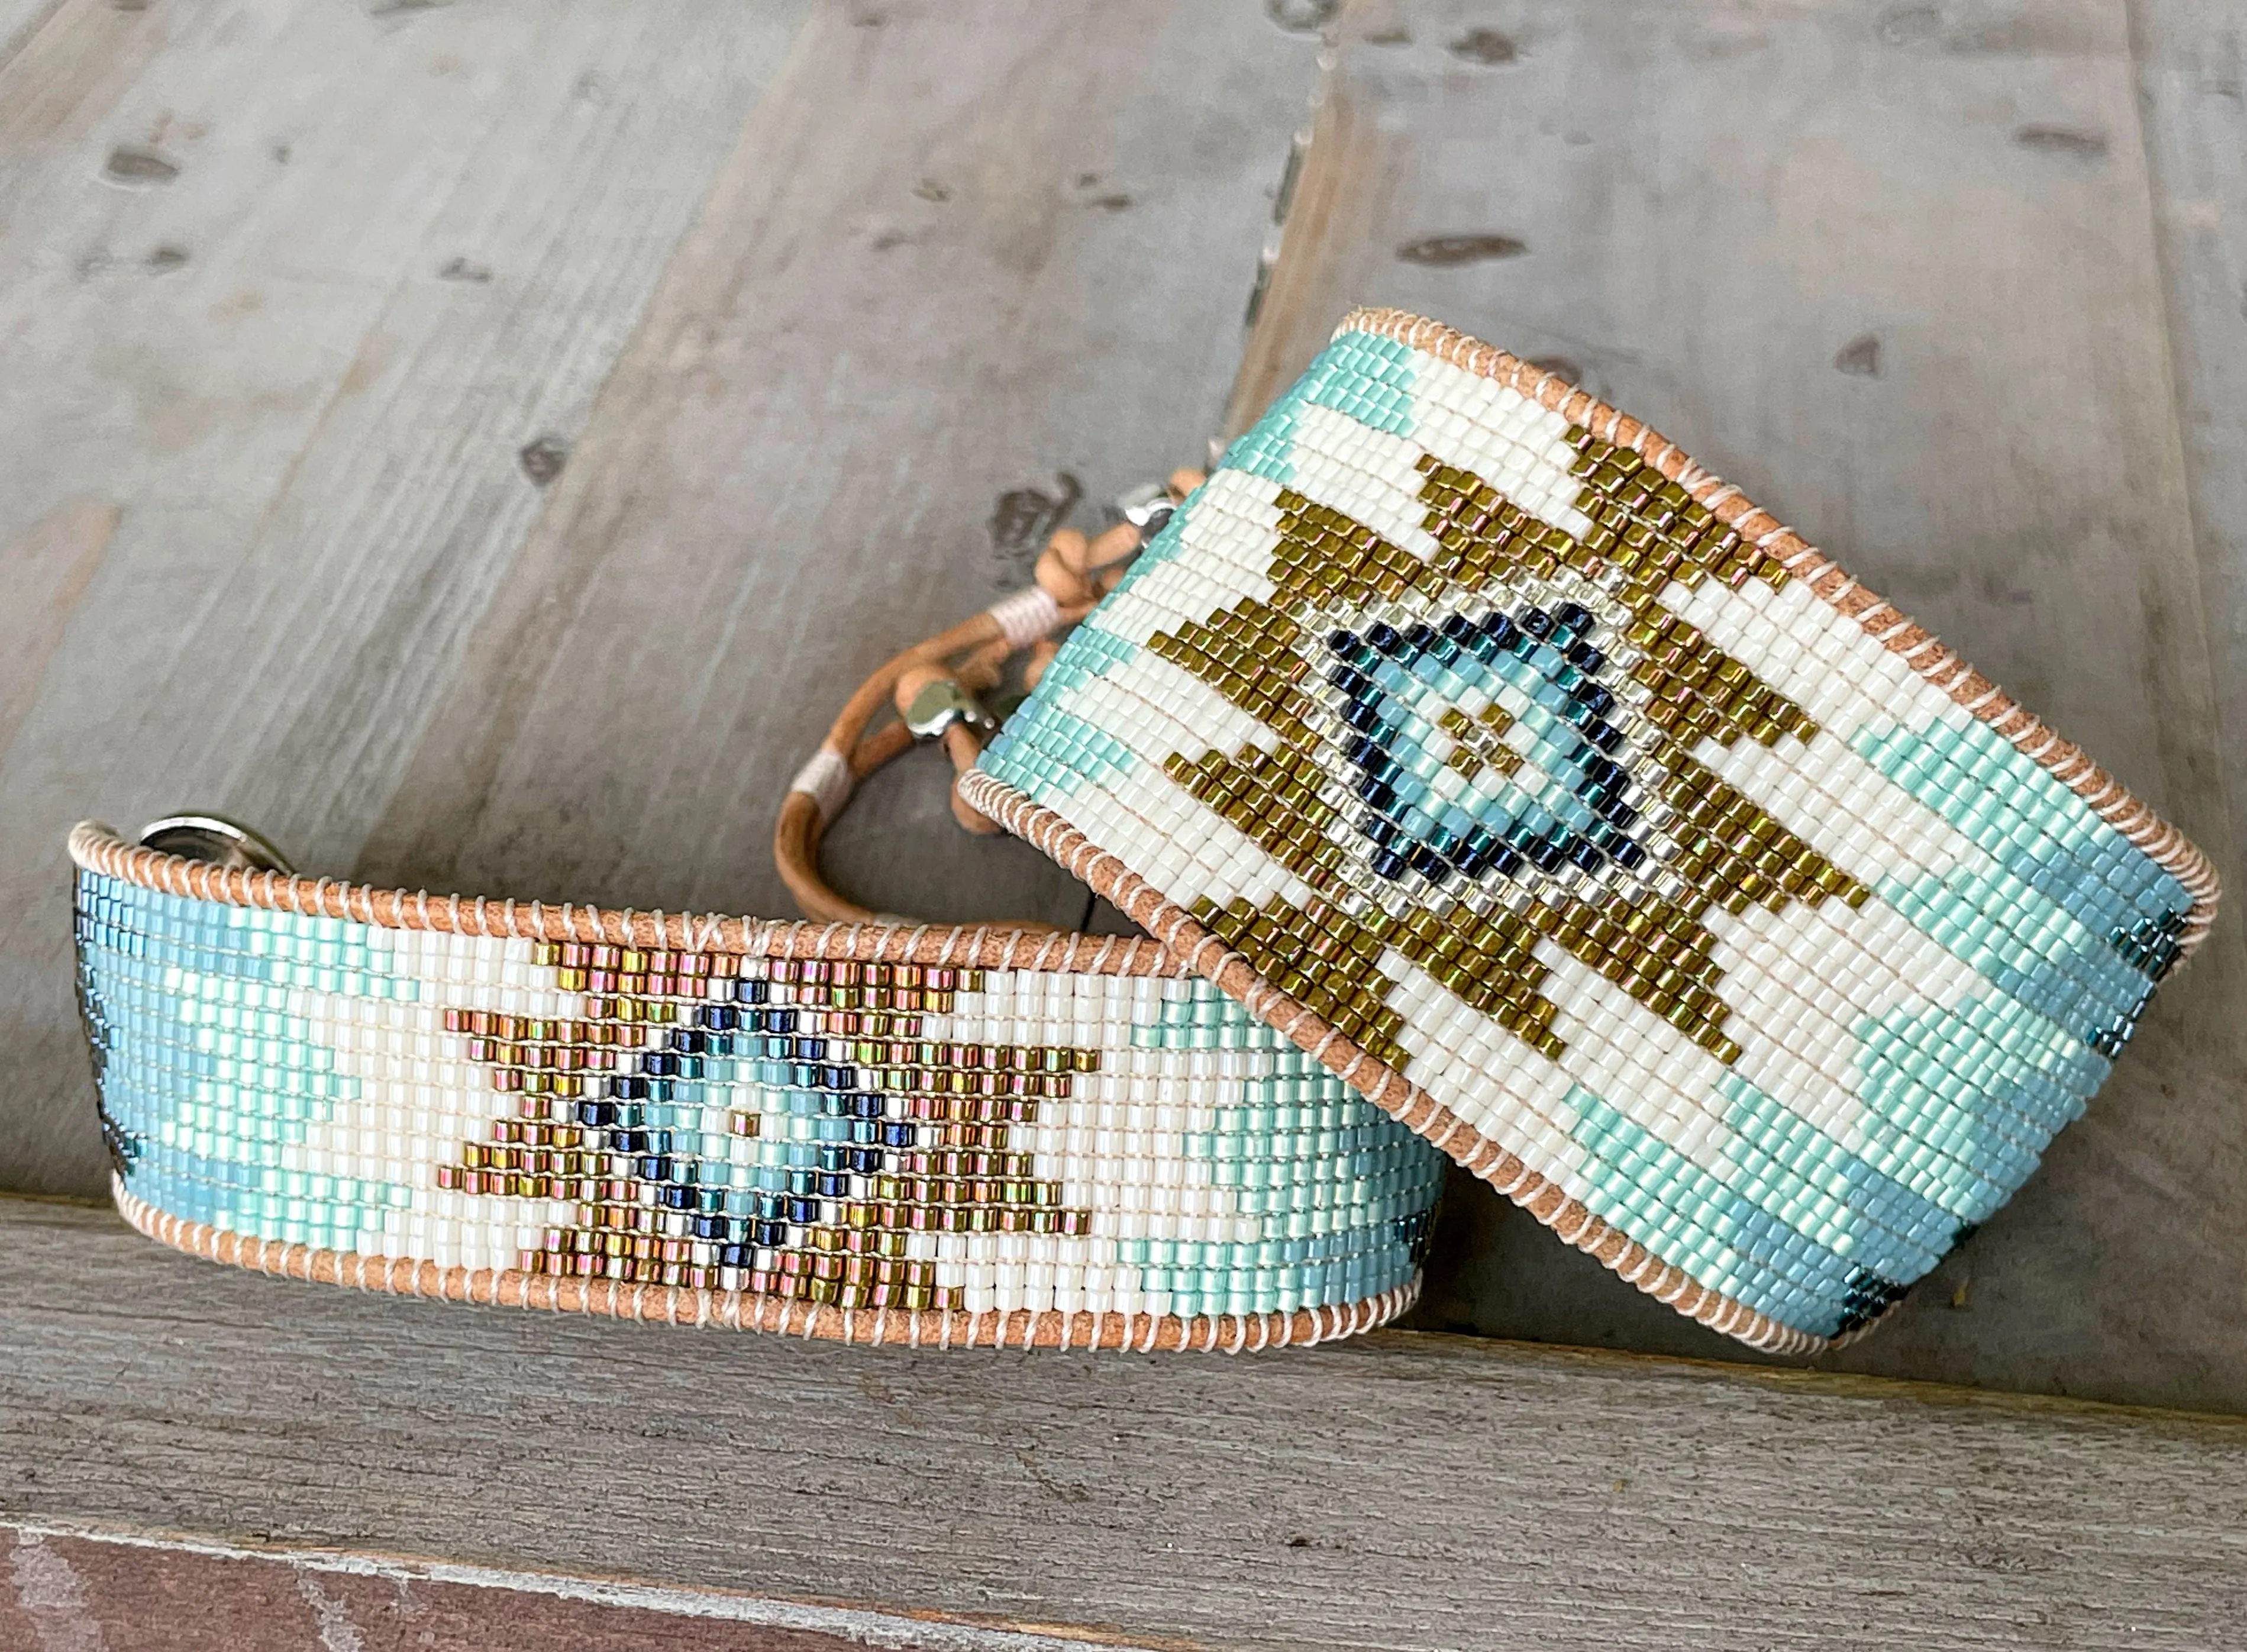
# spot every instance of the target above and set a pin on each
(216, 839)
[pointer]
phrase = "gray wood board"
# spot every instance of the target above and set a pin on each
(19, 20)
(1405, 1491)
(1893, 271)
(2192, 84)
(64, 1589)
(1003, 285)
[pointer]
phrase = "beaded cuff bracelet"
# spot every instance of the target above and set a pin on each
(1603, 832)
(877, 1133)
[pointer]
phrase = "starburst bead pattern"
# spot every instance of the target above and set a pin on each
(1041, 1140)
(1604, 832)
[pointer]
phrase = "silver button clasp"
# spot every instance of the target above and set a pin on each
(216, 839)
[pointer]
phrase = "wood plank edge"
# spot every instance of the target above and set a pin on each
(98, 1222)
(844, 1621)
(1804, 1380)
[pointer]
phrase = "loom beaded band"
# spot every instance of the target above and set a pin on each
(1603, 832)
(944, 1136)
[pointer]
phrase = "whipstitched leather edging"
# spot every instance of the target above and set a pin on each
(99, 849)
(1888, 625)
(682, 1305)
(1383, 1086)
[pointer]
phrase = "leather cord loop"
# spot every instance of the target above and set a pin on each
(1072, 573)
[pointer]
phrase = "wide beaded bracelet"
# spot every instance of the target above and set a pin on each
(1602, 831)
(879, 1133)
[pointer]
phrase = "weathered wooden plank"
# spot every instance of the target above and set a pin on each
(1005, 285)
(291, 287)
(124, 1591)
(1408, 1491)
(19, 20)
(1890, 271)
(2192, 81)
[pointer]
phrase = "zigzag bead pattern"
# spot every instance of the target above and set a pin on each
(1603, 832)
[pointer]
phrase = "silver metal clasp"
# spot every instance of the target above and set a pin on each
(941, 704)
(216, 839)
(1147, 507)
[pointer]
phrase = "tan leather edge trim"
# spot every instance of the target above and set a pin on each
(1382, 1085)
(99, 849)
(681, 1305)
(2167, 846)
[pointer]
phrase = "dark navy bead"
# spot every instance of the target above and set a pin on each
(1384, 637)
(1537, 623)
(1342, 642)
(1574, 615)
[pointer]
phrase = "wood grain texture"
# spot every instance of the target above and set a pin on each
(2192, 82)
(1002, 286)
(1892, 271)
(19, 21)
(64, 1590)
(291, 287)
(1404, 1491)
